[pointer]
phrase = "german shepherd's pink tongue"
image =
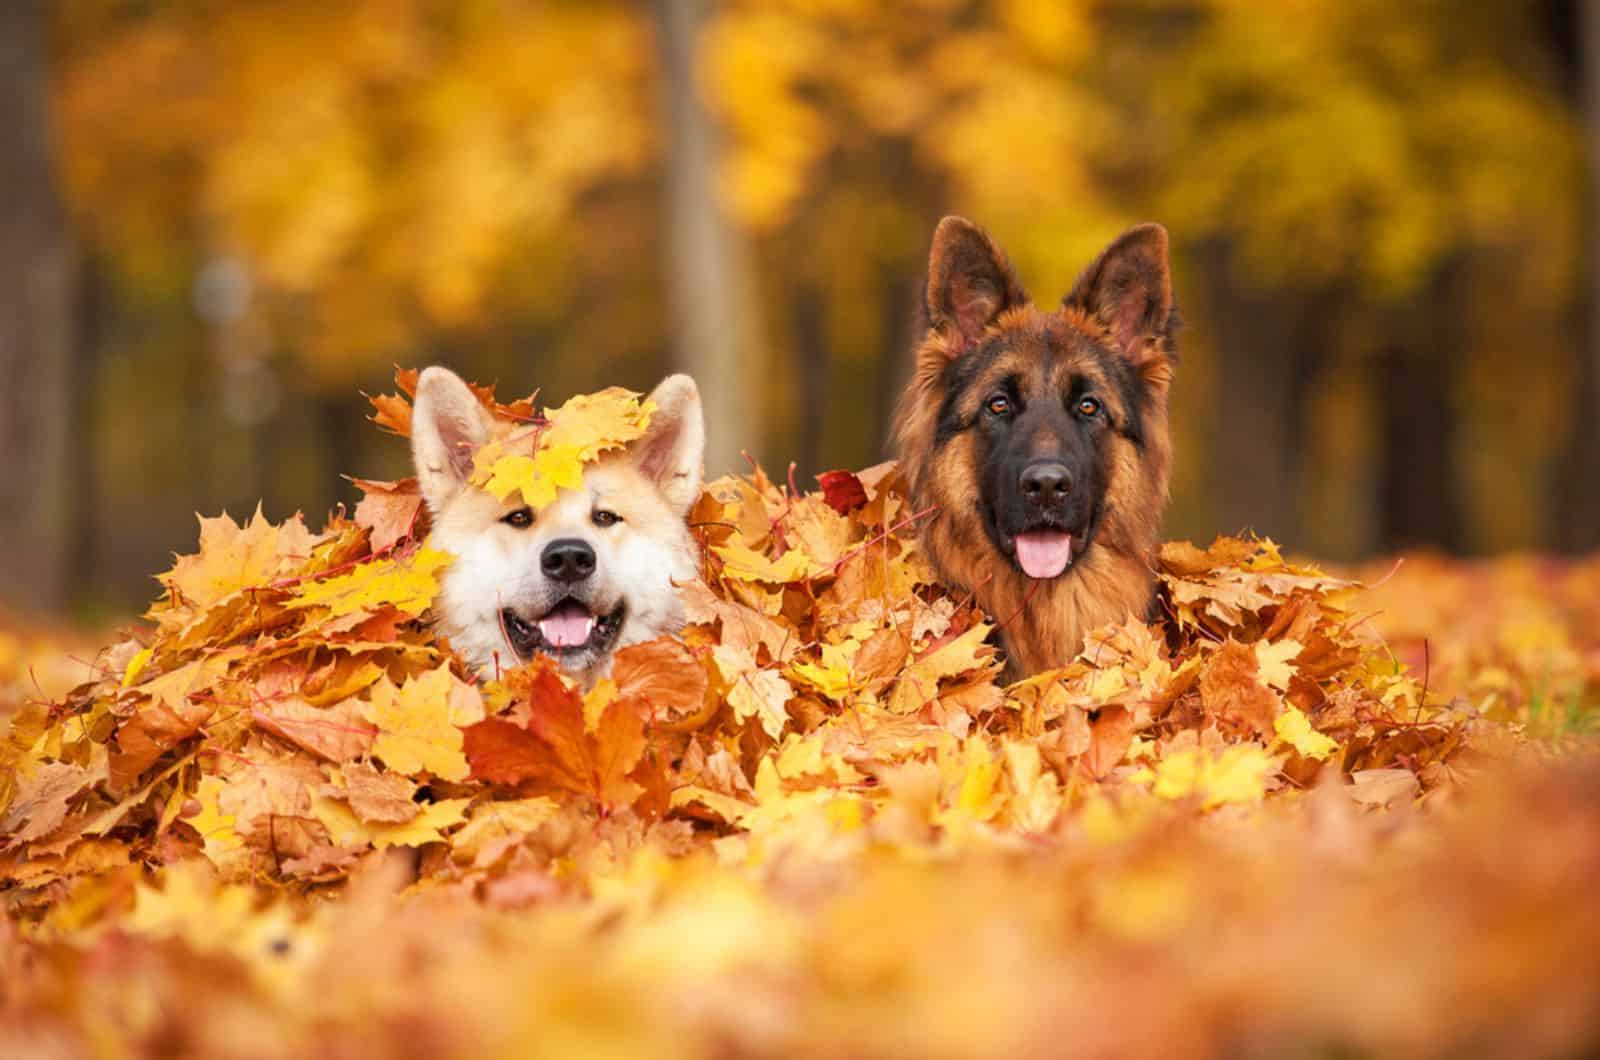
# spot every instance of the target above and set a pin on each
(1044, 553)
(568, 625)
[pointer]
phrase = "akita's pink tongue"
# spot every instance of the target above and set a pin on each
(568, 626)
(1044, 553)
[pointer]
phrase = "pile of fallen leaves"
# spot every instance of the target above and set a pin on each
(1517, 637)
(283, 820)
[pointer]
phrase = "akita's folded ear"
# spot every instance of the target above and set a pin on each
(1128, 290)
(673, 451)
(448, 424)
(970, 283)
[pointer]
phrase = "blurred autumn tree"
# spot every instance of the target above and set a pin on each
(1380, 212)
(36, 349)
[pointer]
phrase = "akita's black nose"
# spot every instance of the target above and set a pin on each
(567, 560)
(1045, 482)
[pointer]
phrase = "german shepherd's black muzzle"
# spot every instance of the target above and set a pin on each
(1042, 481)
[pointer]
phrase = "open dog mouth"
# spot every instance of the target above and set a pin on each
(568, 628)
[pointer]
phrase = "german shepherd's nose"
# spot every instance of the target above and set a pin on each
(567, 560)
(1045, 483)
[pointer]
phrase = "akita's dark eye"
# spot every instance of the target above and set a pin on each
(522, 518)
(998, 405)
(603, 518)
(1089, 406)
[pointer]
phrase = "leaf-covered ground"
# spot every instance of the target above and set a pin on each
(280, 820)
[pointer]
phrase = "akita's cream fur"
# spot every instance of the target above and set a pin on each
(594, 571)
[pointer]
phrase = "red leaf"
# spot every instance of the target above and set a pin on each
(842, 490)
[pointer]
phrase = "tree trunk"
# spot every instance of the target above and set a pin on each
(1419, 488)
(81, 444)
(812, 365)
(1418, 496)
(704, 267)
(901, 285)
(1577, 502)
(1263, 369)
(36, 309)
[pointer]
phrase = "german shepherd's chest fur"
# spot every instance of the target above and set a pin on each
(1040, 438)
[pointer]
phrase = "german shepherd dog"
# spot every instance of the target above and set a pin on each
(596, 570)
(1039, 437)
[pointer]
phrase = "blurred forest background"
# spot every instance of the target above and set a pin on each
(224, 219)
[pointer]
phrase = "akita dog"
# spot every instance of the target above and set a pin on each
(596, 570)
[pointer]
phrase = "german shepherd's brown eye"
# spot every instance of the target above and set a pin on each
(998, 405)
(522, 518)
(604, 518)
(1088, 406)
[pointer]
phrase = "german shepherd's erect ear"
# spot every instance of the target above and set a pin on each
(970, 283)
(448, 424)
(1128, 292)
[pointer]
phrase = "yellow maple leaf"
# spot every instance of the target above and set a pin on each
(1294, 729)
(191, 907)
(223, 845)
(595, 423)
(419, 724)
(919, 684)
(234, 557)
(407, 583)
(829, 811)
(746, 564)
(754, 692)
(492, 821)
(973, 779)
(1237, 774)
(538, 478)
(1273, 658)
(830, 675)
(806, 756)
(136, 666)
(348, 830)
(1036, 793)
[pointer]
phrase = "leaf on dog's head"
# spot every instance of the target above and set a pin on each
(538, 478)
(597, 423)
(392, 412)
(540, 462)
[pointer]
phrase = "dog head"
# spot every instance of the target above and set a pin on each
(595, 570)
(1055, 416)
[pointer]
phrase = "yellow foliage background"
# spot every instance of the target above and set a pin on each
(1378, 212)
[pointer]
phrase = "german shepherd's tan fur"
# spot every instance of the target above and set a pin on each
(1107, 351)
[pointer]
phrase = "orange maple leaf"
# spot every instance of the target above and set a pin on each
(558, 747)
